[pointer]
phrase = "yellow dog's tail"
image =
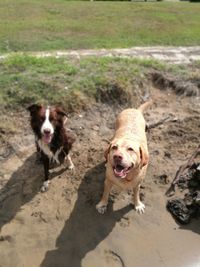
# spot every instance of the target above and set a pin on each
(145, 105)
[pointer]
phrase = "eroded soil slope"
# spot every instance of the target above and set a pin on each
(62, 228)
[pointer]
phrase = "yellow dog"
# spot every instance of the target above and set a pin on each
(127, 156)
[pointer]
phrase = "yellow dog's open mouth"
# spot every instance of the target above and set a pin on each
(121, 171)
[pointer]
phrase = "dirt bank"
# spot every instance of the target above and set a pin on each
(62, 228)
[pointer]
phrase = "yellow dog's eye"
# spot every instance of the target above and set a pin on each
(114, 147)
(130, 149)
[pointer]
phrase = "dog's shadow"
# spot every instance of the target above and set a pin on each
(85, 228)
(21, 188)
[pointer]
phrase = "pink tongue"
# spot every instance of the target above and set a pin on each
(119, 173)
(47, 138)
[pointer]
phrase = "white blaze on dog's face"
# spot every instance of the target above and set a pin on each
(124, 155)
(45, 122)
(47, 129)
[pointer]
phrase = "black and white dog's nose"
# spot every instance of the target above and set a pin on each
(47, 131)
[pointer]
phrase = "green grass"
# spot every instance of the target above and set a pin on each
(76, 84)
(59, 24)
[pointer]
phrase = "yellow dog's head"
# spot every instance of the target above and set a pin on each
(124, 155)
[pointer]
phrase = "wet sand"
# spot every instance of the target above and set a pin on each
(61, 228)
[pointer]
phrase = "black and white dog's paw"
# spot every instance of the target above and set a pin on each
(45, 186)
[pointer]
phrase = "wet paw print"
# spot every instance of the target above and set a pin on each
(40, 215)
(124, 222)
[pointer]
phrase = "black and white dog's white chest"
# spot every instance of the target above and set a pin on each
(53, 156)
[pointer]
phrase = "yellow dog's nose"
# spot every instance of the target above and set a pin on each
(117, 157)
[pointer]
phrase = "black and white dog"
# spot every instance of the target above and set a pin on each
(53, 140)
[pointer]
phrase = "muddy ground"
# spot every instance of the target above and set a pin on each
(62, 228)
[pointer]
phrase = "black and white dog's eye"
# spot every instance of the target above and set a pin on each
(130, 149)
(114, 147)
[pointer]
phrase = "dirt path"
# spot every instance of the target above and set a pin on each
(62, 228)
(174, 55)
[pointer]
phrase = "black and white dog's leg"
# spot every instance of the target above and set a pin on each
(46, 183)
(38, 153)
(71, 164)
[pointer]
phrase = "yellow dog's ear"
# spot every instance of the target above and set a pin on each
(106, 152)
(144, 156)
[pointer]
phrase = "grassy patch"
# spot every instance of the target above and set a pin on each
(75, 84)
(78, 84)
(54, 25)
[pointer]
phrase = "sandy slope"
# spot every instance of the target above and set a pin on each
(61, 228)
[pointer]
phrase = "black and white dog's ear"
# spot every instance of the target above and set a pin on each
(34, 108)
(61, 112)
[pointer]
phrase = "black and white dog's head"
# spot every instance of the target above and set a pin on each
(45, 121)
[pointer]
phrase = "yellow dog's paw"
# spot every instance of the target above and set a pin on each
(101, 208)
(140, 207)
